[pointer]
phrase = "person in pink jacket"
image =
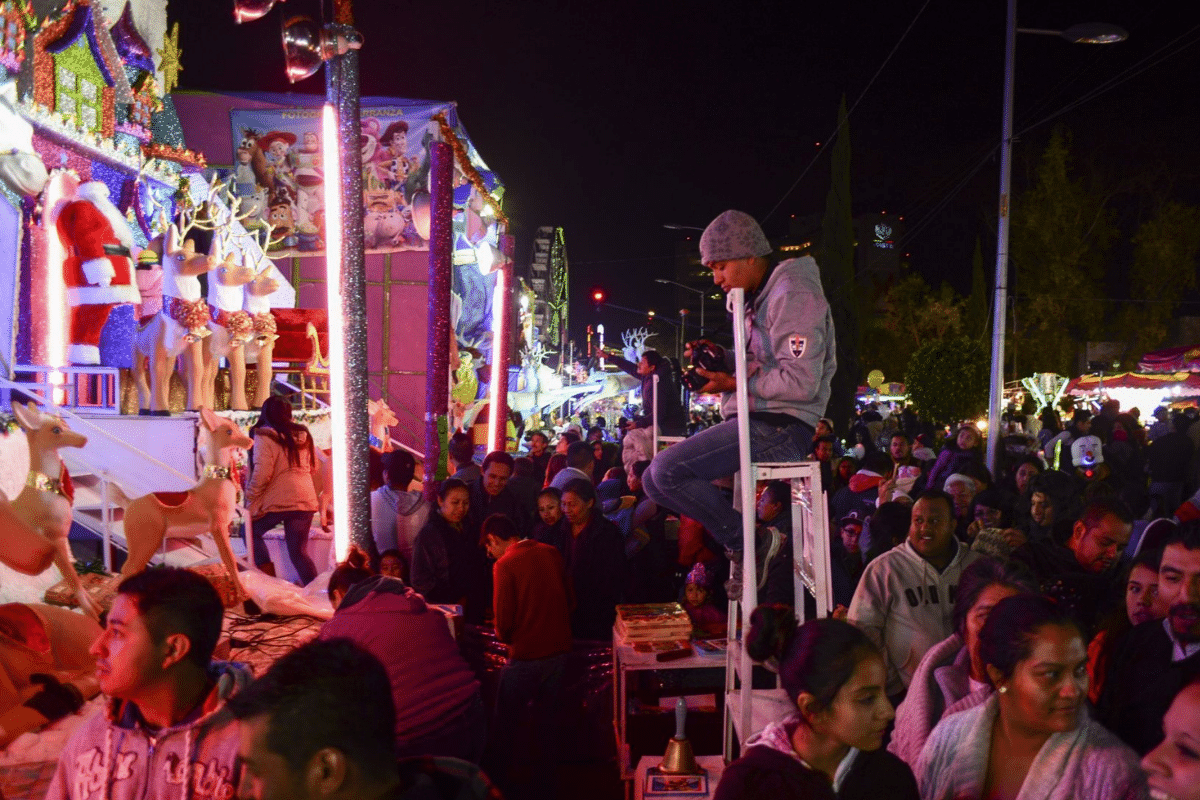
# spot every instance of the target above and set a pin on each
(284, 485)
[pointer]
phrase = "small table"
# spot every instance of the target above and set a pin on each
(715, 765)
(625, 660)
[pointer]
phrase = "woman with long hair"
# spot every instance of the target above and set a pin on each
(284, 486)
(832, 744)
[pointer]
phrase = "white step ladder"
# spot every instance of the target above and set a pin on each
(748, 711)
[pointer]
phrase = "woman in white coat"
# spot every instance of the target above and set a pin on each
(1032, 738)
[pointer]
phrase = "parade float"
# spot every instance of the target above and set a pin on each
(161, 279)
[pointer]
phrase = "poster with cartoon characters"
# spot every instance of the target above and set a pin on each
(278, 174)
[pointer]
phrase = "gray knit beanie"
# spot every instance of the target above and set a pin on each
(730, 236)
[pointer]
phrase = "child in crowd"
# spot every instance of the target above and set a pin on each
(708, 621)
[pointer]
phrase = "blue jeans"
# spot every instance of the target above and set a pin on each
(681, 477)
(296, 525)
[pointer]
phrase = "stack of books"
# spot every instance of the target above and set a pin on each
(653, 622)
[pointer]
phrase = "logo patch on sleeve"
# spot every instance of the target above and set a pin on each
(797, 344)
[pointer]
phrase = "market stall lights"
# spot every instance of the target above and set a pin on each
(338, 422)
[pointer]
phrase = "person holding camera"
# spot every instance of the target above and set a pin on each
(671, 419)
(790, 362)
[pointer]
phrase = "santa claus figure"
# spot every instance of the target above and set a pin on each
(99, 277)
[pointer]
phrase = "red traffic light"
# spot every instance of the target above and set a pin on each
(599, 295)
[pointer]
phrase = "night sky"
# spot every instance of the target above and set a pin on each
(610, 119)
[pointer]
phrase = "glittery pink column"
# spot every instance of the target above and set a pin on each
(342, 90)
(503, 352)
(437, 363)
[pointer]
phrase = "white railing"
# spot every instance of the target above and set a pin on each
(108, 384)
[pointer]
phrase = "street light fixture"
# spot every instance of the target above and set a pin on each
(674, 226)
(1089, 33)
(690, 289)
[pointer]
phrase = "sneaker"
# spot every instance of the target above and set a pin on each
(733, 586)
(767, 543)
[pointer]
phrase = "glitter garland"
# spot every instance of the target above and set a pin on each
(265, 328)
(192, 315)
(437, 362)
(464, 163)
(165, 152)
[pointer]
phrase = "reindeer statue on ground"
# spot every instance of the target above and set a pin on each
(179, 327)
(205, 508)
(44, 505)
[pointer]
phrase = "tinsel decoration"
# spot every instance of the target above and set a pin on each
(192, 315)
(179, 155)
(437, 362)
(464, 163)
(342, 89)
(265, 328)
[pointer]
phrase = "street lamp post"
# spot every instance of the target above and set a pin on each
(690, 289)
(1090, 33)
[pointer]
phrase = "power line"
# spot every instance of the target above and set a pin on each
(831, 136)
(1152, 60)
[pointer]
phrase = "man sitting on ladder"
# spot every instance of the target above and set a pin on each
(790, 363)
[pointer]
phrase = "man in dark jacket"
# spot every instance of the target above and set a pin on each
(671, 418)
(1167, 461)
(1155, 659)
(492, 495)
(1082, 575)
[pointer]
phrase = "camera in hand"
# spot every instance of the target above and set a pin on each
(707, 356)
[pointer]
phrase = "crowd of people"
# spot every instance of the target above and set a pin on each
(1034, 633)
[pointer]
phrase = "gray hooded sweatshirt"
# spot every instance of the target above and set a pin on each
(792, 351)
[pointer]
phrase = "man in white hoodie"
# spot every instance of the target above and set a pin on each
(905, 598)
(165, 732)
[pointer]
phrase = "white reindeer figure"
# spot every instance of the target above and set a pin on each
(43, 504)
(232, 327)
(260, 349)
(180, 326)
